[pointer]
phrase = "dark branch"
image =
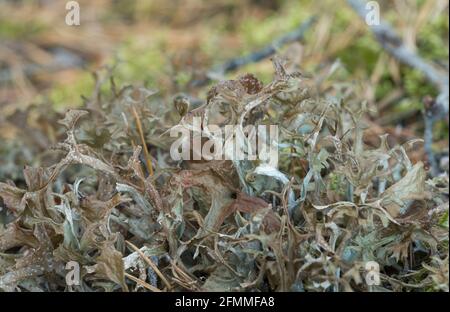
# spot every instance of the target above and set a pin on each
(267, 51)
(394, 45)
(429, 121)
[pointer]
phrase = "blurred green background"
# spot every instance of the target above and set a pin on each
(167, 44)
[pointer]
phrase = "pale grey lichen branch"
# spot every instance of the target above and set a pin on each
(137, 197)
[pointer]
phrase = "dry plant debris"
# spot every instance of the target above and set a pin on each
(135, 220)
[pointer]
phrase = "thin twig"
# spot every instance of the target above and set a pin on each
(151, 264)
(233, 64)
(393, 44)
(144, 145)
(142, 283)
(429, 120)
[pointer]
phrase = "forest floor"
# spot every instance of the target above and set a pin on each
(86, 174)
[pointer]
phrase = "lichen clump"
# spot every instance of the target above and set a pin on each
(138, 221)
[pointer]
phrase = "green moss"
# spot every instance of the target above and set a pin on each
(384, 86)
(441, 130)
(433, 39)
(256, 33)
(362, 55)
(182, 78)
(20, 29)
(141, 62)
(68, 95)
(408, 104)
(444, 220)
(415, 83)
